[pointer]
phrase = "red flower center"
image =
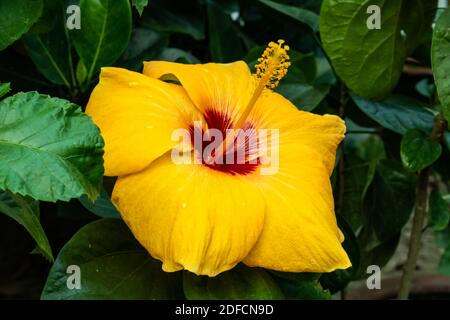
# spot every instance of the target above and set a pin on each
(224, 148)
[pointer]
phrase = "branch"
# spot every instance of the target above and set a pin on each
(419, 216)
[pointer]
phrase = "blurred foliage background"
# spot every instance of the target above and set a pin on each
(393, 163)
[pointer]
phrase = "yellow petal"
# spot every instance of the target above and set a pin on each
(321, 134)
(191, 217)
(223, 87)
(300, 232)
(136, 116)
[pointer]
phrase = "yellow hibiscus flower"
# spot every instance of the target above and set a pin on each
(206, 217)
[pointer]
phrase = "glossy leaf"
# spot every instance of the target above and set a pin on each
(145, 44)
(50, 53)
(102, 206)
(439, 211)
(26, 212)
(140, 5)
(113, 266)
(418, 150)
(305, 16)
(221, 34)
(51, 12)
(390, 199)
(49, 149)
(239, 283)
(4, 89)
(104, 33)
(370, 61)
(300, 89)
(16, 18)
(440, 57)
(173, 16)
(300, 286)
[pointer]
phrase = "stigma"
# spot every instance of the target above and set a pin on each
(271, 68)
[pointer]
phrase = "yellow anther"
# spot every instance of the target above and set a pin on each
(272, 67)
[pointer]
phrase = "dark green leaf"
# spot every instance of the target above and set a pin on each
(304, 87)
(239, 283)
(425, 88)
(49, 149)
(4, 89)
(370, 61)
(46, 22)
(439, 212)
(104, 33)
(113, 266)
(102, 207)
(418, 150)
(26, 212)
(173, 16)
(390, 199)
(374, 252)
(16, 17)
(177, 55)
(145, 45)
(50, 53)
(140, 5)
(300, 286)
(440, 57)
(398, 113)
(221, 33)
(305, 16)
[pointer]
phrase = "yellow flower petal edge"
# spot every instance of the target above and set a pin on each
(136, 116)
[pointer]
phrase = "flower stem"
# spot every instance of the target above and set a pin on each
(419, 216)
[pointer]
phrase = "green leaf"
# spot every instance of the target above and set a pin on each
(102, 207)
(4, 89)
(145, 45)
(113, 266)
(305, 16)
(221, 33)
(300, 286)
(49, 149)
(339, 279)
(370, 61)
(174, 16)
(46, 22)
(440, 58)
(302, 90)
(50, 53)
(418, 150)
(26, 212)
(390, 199)
(398, 113)
(140, 5)
(81, 72)
(16, 17)
(439, 212)
(444, 263)
(104, 33)
(375, 252)
(239, 283)
(177, 55)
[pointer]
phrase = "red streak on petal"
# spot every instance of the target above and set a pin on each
(246, 147)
